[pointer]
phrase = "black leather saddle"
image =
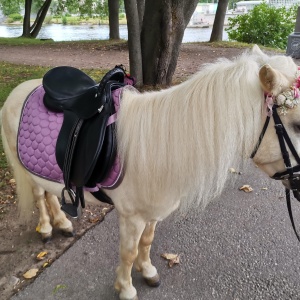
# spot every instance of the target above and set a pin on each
(86, 146)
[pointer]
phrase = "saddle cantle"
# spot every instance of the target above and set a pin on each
(86, 145)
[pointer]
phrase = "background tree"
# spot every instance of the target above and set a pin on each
(163, 27)
(113, 13)
(218, 26)
(134, 40)
(31, 31)
(265, 25)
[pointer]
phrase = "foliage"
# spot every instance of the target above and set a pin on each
(9, 7)
(60, 7)
(264, 24)
(15, 17)
(64, 20)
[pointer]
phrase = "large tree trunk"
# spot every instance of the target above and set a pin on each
(141, 11)
(33, 30)
(217, 30)
(26, 20)
(162, 32)
(113, 11)
(134, 41)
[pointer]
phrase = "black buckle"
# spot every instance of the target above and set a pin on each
(295, 183)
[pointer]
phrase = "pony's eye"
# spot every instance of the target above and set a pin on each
(296, 127)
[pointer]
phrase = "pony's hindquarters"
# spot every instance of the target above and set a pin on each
(30, 189)
(11, 112)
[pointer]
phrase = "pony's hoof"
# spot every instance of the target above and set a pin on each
(134, 298)
(153, 281)
(46, 238)
(67, 232)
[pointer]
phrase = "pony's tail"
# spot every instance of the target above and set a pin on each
(23, 183)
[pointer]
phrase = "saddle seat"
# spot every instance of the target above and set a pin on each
(68, 88)
(86, 145)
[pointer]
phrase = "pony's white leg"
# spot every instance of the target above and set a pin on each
(131, 230)
(143, 262)
(44, 227)
(60, 220)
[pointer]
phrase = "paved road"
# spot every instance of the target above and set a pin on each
(241, 247)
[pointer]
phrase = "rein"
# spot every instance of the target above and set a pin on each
(289, 174)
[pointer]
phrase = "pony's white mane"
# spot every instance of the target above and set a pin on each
(181, 142)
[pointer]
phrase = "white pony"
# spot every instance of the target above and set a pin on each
(176, 147)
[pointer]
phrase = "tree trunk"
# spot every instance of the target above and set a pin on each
(26, 20)
(33, 30)
(113, 14)
(134, 41)
(141, 11)
(162, 32)
(217, 30)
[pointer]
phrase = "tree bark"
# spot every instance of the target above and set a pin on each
(141, 11)
(113, 15)
(134, 41)
(33, 30)
(26, 20)
(162, 32)
(217, 30)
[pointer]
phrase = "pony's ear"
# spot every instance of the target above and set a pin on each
(272, 80)
(256, 50)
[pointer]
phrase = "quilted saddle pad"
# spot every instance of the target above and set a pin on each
(37, 136)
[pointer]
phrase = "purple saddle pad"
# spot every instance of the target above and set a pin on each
(37, 136)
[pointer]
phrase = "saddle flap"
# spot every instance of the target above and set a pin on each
(96, 150)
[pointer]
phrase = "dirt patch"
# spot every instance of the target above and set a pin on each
(20, 244)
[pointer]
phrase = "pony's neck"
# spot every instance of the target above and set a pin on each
(186, 138)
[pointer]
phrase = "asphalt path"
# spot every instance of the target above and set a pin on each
(241, 246)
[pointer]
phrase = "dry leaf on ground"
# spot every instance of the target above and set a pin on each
(172, 258)
(41, 255)
(246, 188)
(30, 274)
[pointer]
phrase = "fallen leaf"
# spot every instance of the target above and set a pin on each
(38, 228)
(59, 287)
(172, 258)
(232, 170)
(41, 255)
(30, 274)
(94, 220)
(47, 263)
(246, 188)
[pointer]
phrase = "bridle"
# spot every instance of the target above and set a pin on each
(291, 174)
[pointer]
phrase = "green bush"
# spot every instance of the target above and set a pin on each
(15, 17)
(64, 20)
(265, 25)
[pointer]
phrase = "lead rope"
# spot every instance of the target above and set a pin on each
(289, 207)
